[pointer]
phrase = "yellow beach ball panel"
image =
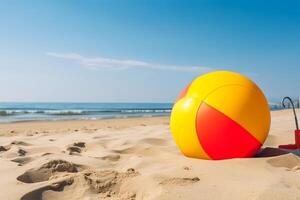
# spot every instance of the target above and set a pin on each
(183, 125)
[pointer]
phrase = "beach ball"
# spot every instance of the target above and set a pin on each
(220, 115)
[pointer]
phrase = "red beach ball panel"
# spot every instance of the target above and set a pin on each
(182, 93)
(221, 137)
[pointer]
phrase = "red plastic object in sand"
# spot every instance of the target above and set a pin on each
(297, 131)
(293, 146)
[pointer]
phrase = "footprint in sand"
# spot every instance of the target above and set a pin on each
(21, 152)
(76, 148)
(179, 181)
(79, 144)
(186, 168)
(47, 170)
(17, 151)
(101, 184)
(4, 148)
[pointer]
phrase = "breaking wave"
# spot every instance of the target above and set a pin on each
(80, 112)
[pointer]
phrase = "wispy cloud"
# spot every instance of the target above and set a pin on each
(98, 63)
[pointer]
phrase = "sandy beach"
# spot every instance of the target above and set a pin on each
(135, 158)
(102, 100)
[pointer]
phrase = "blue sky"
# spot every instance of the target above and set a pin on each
(143, 50)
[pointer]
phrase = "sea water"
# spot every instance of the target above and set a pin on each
(14, 112)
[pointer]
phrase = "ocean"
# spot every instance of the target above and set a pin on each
(16, 112)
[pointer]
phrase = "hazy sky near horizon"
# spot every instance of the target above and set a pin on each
(143, 50)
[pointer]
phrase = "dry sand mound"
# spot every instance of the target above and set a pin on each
(47, 170)
(39, 193)
(289, 161)
(98, 184)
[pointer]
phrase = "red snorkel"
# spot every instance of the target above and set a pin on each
(297, 131)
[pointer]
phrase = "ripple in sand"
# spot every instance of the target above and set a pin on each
(154, 141)
(20, 143)
(111, 157)
(179, 181)
(139, 150)
(22, 160)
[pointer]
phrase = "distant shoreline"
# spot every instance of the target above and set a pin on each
(13, 112)
(87, 120)
(57, 126)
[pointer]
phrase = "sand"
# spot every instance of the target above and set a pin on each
(135, 159)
